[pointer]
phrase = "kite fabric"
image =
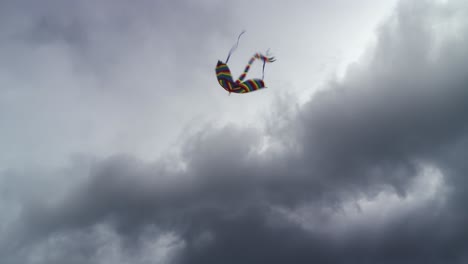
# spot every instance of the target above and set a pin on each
(240, 86)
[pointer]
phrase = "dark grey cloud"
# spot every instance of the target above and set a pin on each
(292, 191)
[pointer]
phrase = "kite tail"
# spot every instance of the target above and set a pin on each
(264, 58)
(235, 46)
(258, 56)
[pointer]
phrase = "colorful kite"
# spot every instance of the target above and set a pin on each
(240, 86)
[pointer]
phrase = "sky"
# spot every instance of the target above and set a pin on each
(118, 145)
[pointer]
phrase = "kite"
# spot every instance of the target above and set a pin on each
(240, 86)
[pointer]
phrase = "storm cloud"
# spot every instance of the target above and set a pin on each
(370, 169)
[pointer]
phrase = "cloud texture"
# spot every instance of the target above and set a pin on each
(370, 170)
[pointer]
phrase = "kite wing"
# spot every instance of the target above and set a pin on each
(224, 76)
(251, 85)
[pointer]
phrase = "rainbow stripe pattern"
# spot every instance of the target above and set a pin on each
(240, 86)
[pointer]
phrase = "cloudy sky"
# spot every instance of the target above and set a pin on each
(118, 145)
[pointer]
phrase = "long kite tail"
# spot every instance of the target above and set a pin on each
(235, 46)
(258, 56)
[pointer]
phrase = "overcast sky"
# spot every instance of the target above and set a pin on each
(117, 145)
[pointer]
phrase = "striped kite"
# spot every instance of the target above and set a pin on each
(240, 86)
